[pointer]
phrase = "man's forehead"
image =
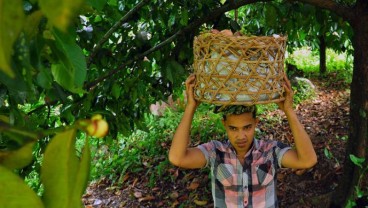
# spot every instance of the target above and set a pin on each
(237, 109)
(240, 126)
(240, 120)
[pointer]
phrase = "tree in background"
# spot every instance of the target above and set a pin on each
(304, 25)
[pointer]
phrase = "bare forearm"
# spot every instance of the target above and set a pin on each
(181, 138)
(303, 144)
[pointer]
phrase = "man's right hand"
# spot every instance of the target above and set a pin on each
(180, 154)
(189, 89)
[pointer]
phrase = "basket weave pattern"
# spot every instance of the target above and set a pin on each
(238, 70)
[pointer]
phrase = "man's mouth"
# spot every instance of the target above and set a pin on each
(241, 142)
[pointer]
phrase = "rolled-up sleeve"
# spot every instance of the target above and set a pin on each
(280, 150)
(207, 149)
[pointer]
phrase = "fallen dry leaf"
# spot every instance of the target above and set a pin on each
(122, 179)
(174, 172)
(200, 203)
(146, 198)
(184, 197)
(175, 203)
(174, 195)
(135, 182)
(155, 189)
(193, 186)
(111, 188)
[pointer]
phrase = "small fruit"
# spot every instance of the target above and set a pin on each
(96, 117)
(214, 31)
(97, 127)
(237, 34)
(227, 32)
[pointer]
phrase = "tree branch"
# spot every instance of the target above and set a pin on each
(189, 28)
(116, 26)
(19, 131)
(341, 10)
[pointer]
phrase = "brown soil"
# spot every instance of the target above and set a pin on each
(325, 118)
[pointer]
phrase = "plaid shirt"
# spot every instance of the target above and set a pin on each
(251, 185)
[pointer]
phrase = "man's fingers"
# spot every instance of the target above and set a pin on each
(287, 81)
(189, 81)
(286, 78)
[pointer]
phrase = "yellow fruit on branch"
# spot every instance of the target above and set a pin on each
(96, 126)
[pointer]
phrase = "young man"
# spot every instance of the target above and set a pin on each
(243, 169)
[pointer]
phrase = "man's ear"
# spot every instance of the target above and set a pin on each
(257, 121)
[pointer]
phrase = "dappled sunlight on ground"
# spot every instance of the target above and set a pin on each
(325, 118)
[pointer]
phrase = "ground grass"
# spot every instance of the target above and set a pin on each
(339, 65)
(149, 148)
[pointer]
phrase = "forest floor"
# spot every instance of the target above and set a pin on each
(325, 118)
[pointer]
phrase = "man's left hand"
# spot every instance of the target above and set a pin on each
(287, 104)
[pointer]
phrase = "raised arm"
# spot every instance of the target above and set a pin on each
(304, 155)
(180, 155)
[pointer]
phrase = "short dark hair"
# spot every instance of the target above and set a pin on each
(236, 110)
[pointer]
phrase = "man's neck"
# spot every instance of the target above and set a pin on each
(241, 154)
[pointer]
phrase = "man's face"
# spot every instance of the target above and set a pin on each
(240, 131)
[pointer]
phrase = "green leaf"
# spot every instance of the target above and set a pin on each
(172, 20)
(97, 19)
(60, 13)
(70, 72)
(11, 23)
(63, 76)
(173, 67)
(44, 78)
(113, 2)
(15, 193)
(302, 35)
(83, 173)
(362, 113)
(97, 4)
(66, 113)
(328, 154)
(169, 74)
(184, 17)
(116, 91)
(59, 172)
(271, 15)
(235, 25)
(356, 160)
(32, 22)
(18, 158)
(359, 192)
(350, 203)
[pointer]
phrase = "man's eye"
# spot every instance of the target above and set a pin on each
(232, 128)
(248, 127)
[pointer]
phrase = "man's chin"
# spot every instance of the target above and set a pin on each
(242, 145)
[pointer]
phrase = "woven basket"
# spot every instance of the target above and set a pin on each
(238, 70)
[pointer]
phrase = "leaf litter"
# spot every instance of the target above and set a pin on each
(325, 118)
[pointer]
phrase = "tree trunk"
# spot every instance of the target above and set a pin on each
(322, 55)
(358, 127)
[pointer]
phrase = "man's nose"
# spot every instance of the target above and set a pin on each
(242, 134)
